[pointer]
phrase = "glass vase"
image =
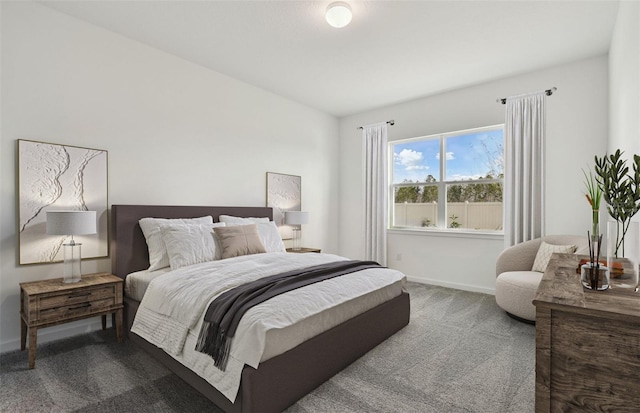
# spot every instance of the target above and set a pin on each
(625, 265)
(595, 277)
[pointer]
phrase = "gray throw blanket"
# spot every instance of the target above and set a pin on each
(224, 313)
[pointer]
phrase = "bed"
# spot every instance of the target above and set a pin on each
(281, 380)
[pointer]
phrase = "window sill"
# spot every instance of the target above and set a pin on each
(450, 233)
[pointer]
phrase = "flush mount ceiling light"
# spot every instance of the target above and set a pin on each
(338, 14)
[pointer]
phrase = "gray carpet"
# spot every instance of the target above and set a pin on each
(459, 353)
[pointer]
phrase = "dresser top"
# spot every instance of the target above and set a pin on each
(561, 287)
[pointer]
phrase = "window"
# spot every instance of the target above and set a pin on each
(452, 180)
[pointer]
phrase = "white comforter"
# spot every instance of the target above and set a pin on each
(174, 304)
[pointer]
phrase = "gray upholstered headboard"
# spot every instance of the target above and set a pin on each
(129, 250)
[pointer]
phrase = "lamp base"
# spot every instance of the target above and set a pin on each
(72, 261)
(297, 239)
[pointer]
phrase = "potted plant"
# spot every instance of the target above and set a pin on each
(621, 192)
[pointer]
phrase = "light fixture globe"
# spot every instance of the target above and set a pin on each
(338, 14)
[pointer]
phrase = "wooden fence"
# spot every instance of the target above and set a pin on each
(473, 215)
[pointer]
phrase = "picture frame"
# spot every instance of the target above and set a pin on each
(284, 193)
(54, 177)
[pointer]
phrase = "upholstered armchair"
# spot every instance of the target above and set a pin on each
(517, 279)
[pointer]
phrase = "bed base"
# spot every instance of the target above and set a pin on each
(282, 380)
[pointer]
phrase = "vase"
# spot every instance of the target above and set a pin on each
(625, 265)
(595, 277)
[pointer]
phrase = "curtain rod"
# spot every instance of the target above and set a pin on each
(548, 92)
(389, 122)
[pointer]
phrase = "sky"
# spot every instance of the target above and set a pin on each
(468, 156)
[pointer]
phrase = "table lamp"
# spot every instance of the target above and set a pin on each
(71, 223)
(296, 218)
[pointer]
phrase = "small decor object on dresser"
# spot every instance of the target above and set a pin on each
(50, 302)
(304, 249)
(625, 266)
(594, 275)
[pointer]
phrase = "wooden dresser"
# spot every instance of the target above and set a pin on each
(587, 343)
(50, 302)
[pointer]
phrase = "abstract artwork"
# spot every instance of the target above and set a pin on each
(283, 194)
(58, 177)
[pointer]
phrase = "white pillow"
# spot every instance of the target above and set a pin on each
(158, 257)
(544, 254)
(231, 220)
(190, 244)
(270, 237)
(267, 230)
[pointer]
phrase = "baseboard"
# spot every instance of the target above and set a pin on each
(456, 286)
(57, 332)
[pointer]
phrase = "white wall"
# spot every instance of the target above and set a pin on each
(577, 125)
(624, 81)
(176, 133)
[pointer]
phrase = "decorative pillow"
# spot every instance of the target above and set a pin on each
(231, 220)
(189, 244)
(268, 231)
(239, 240)
(544, 254)
(158, 257)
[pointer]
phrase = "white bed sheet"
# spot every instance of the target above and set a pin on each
(136, 283)
(171, 312)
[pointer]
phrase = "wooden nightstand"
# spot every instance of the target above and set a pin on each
(303, 249)
(50, 302)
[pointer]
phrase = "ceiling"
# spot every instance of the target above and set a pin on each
(392, 51)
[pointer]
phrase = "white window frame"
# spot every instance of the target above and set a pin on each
(441, 184)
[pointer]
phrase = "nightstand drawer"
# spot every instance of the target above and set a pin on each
(74, 310)
(70, 298)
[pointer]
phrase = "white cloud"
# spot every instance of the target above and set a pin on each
(450, 156)
(410, 159)
(460, 177)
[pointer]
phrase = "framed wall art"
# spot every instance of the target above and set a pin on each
(284, 193)
(54, 177)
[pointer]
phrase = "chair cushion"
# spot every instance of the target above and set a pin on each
(515, 291)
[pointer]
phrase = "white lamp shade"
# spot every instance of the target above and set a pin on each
(296, 217)
(71, 222)
(338, 14)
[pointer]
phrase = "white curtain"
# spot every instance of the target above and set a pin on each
(374, 144)
(524, 162)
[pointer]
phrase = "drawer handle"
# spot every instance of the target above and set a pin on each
(76, 295)
(80, 306)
